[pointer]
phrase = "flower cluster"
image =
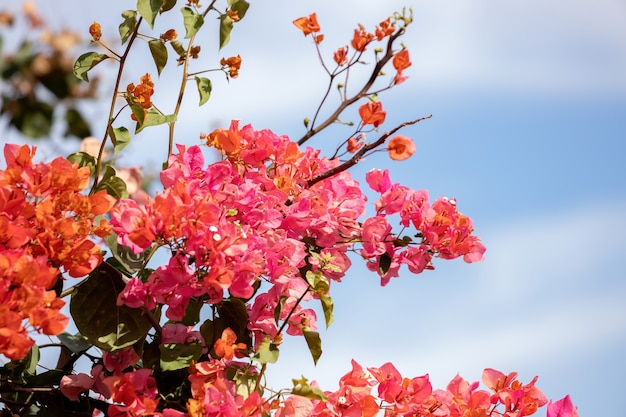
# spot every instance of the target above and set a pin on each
(400, 396)
(442, 231)
(45, 229)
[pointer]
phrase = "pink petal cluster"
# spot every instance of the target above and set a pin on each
(384, 389)
(441, 230)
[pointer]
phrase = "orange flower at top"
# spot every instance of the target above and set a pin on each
(372, 113)
(95, 31)
(227, 140)
(400, 148)
(385, 29)
(307, 24)
(341, 56)
(361, 38)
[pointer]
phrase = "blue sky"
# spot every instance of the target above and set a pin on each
(528, 133)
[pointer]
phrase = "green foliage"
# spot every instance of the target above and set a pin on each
(148, 9)
(193, 21)
(87, 61)
(154, 118)
(120, 137)
(267, 352)
(98, 317)
(159, 54)
(74, 342)
(113, 185)
(226, 26)
(204, 89)
(127, 27)
(302, 388)
(314, 342)
(176, 356)
(83, 159)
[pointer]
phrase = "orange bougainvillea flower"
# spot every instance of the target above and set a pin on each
(308, 24)
(400, 148)
(354, 144)
(95, 30)
(233, 63)
(361, 38)
(142, 92)
(372, 113)
(384, 29)
(226, 140)
(225, 346)
(341, 56)
(401, 60)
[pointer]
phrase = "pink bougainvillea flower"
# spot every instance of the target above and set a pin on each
(400, 148)
(72, 385)
(562, 408)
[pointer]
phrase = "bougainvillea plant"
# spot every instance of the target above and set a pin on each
(253, 244)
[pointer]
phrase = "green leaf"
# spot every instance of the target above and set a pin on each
(27, 366)
(74, 342)
(384, 263)
(302, 388)
(193, 21)
(314, 342)
(148, 9)
(204, 88)
(83, 159)
(192, 314)
(97, 315)
(233, 313)
(159, 53)
(114, 186)
(240, 6)
(267, 352)
(85, 62)
(138, 111)
(154, 118)
(168, 5)
(76, 124)
(327, 306)
(121, 138)
(226, 26)
(176, 356)
(128, 25)
(178, 48)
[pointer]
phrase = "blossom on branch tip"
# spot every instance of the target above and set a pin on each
(372, 113)
(308, 24)
(400, 148)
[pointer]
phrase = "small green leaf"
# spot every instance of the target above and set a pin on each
(267, 352)
(83, 159)
(192, 313)
(178, 48)
(178, 356)
(128, 262)
(76, 124)
(167, 5)
(148, 9)
(204, 88)
(74, 342)
(226, 26)
(302, 388)
(121, 138)
(113, 185)
(314, 342)
(193, 21)
(154, 118)
(384, 263)
(128, 25)
(85, 62)
(159, 53)
(327, 306)
(137, 109)
(240, 6)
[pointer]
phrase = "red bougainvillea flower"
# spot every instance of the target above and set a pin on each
(372, 113)
(308, 24)
(400, 148)
(354, 144)
(401, 61)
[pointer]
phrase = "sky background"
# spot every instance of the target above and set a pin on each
(528, 133)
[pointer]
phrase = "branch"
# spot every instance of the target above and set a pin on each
(359, 155)
(362, 93)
